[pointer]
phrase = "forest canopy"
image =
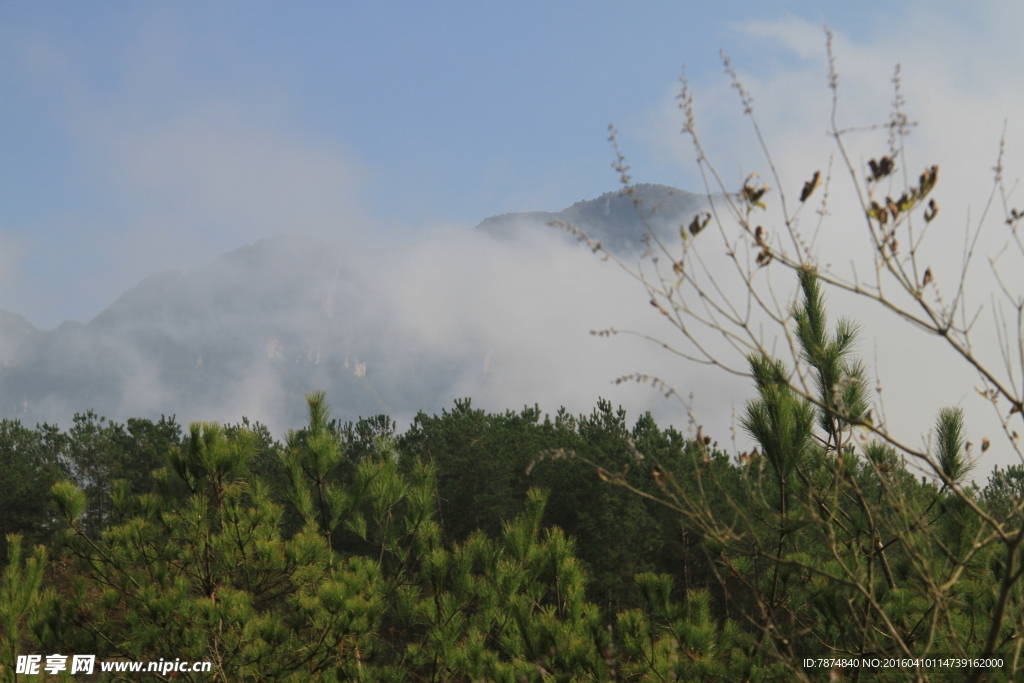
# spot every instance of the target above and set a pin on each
(472, 546)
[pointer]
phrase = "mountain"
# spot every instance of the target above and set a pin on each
(614, 219)
(260, 326)
(251, 332)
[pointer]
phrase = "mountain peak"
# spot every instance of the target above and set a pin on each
(617, 219)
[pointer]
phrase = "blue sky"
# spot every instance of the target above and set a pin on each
(392, 116)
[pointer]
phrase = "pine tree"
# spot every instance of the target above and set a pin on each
(212, 579)
(20, 597)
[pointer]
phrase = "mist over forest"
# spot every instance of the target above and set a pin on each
(499, 313)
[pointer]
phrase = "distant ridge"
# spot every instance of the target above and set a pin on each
(612, 218)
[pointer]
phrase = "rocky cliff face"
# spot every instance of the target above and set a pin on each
(613, 218)
(252, 331)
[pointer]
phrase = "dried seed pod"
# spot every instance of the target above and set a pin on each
(881, 168)
(699, 222)
(810, 186)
